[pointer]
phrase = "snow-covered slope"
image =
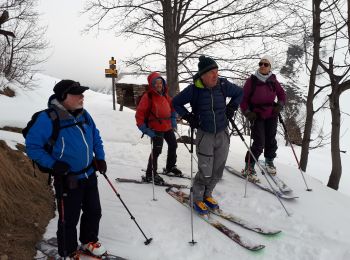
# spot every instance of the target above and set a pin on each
(317, 229)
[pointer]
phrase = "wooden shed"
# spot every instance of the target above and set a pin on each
(127, 93)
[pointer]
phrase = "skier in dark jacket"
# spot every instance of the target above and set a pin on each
(71, 163)
(260, 108)
(156, 117)
(207, 96)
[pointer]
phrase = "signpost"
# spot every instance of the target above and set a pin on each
(112, 72)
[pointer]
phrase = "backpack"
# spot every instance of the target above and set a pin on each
(253, 88)
(48, 147)
(139, 97)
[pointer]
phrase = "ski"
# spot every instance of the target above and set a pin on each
(82, 255)
(261, 186)
(183, 198)
(164, 172)
(279, 183)
(239, 221)
(165, 184)
(48, 247)
(171, 175)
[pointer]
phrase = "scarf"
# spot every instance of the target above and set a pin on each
(262, 77)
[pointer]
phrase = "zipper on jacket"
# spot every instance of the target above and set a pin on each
(87, 146)
(212, 108)
(63, 146)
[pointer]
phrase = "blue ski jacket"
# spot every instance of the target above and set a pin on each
(209, 104)
(75, 144)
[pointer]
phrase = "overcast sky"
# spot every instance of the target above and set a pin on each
(84, 57)
(75, 55)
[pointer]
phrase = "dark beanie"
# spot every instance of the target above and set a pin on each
(205, 64)
(67, 86)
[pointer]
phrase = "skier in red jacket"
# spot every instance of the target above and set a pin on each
(156, 117)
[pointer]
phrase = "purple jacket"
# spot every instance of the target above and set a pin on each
(261, 102)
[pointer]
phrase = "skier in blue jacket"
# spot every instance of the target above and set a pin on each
(210, 114)
(73, 166)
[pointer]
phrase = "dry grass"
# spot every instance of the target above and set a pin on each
(26, 204)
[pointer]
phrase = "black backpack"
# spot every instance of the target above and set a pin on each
(53, 115)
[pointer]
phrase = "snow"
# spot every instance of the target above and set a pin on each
(318, 227)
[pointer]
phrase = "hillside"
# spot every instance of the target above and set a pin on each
(26, 203)
(317, 228)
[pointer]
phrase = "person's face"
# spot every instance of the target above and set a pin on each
(264, 67)
(73, 102)
(210, 78)
(158, 85)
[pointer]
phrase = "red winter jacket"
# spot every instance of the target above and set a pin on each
(155, 109)
(261, 102)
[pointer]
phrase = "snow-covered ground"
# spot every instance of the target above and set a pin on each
(318, 228)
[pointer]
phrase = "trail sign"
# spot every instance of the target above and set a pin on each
(112, 72)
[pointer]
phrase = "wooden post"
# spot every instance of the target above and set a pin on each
(112, 73)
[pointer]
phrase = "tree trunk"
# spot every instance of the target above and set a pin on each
(316, 27)
(171, 47)
(334, 178)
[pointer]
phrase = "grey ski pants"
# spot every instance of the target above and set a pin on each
(212, 150)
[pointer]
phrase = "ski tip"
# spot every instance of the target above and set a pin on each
(257, 248)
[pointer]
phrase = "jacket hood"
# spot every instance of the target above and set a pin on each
(151, 79)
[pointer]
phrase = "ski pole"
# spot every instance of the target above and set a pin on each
(291, 145)
(148, 240)
(191, 190)
(63, 222)
(152, 168)
(185, 144)
(260, 167)
(249, 169)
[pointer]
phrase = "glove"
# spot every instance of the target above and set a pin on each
(230, 111)
(101, 166)
(191, 119)
(173, 120)
(173, 123)
(60, 168)
(277, 108)
(251, 116)
(147, 131)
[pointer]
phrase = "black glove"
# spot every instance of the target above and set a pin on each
(277, 108)
(230, 111)
(251, 116)
(191, 119)
(60, 168)
(101, 166)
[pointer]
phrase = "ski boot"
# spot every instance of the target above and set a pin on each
(200, 208)
(157, 179)
(94, 248)
(250, 171)
(270, 167)
(173, 170)
(211, 203)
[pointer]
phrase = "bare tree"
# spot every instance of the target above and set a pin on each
(331, 34)
(316, 28)
(183, 30)
(18, 59)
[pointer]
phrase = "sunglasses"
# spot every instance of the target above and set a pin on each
(264, 63)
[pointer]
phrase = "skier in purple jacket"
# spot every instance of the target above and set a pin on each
(260, 108)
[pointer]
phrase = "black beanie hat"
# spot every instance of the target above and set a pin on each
(67, 86)
(205, 64)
